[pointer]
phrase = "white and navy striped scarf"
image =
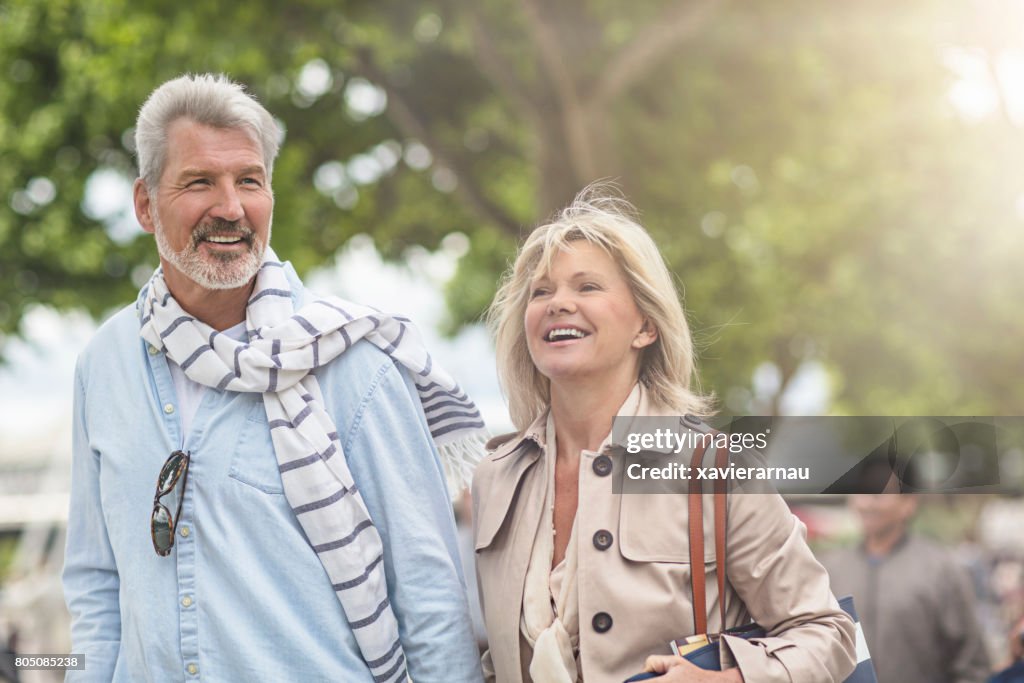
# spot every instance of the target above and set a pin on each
(283, 346)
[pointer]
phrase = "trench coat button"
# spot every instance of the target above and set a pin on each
(692, 419)
(602, 465)
(602, 622)
(603, 539)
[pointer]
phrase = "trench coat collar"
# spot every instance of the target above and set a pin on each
(534, 433)
(637, 404)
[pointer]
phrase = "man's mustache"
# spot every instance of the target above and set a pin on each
(220, 226)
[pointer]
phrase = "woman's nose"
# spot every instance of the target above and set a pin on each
(561, 302)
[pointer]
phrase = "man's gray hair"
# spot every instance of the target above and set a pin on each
(210, 99)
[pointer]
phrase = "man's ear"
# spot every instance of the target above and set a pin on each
(143, 206)
(646, 336)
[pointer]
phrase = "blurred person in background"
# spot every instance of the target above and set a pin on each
(8, 650)
(915, 601)
(299, 527)
(1014, 673)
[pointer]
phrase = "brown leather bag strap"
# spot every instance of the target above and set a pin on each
(721, 528)
(697, 584)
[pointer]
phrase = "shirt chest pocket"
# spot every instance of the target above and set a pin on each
(254, 462)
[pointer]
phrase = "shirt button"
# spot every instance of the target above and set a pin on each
(186, 601)
(153, 350)
(192, 669)
(169, 408)
(184, 532)
(602, 622)
(603, 539)
(602, 465)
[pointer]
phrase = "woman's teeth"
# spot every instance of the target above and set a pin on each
(562, 334)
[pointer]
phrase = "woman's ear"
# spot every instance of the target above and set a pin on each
(646, 336)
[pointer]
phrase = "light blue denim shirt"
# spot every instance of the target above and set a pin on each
(243, 597)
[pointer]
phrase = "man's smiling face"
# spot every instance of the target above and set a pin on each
(213, 208)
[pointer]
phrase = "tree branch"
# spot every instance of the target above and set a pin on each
(499, 70)
(651, 45)
(405, 118)
(575, 121)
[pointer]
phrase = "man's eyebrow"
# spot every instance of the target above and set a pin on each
(255, 169)
(194, 172)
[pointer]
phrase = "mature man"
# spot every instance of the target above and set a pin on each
(256, 491)
(915, 603)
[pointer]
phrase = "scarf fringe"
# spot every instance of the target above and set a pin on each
(460, 458)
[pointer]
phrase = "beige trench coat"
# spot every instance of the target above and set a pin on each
(634, 593)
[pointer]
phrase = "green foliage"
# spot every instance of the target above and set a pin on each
(8, 547)
(800, 163)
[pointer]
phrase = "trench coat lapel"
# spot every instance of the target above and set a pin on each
(513, 510)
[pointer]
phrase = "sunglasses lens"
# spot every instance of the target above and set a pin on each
(161, 526)
(161, 523)
(172, 469)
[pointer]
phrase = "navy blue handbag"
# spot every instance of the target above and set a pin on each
(707, 656)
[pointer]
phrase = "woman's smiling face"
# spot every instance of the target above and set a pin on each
(582, 322)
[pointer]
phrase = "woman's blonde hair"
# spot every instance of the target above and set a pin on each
(599, 216)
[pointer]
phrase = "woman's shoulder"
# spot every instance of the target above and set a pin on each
(495, 464)
(499, 441)
(497, 447)
(504, 444)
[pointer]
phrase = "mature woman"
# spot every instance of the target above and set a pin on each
(582, 584)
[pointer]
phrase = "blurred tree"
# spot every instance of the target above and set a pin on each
(802, 165)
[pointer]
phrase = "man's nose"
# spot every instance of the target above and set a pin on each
(228, 205)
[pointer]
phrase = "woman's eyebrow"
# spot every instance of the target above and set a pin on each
(579, 275)
(583, 274)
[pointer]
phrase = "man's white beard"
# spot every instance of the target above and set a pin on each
(215, 271)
